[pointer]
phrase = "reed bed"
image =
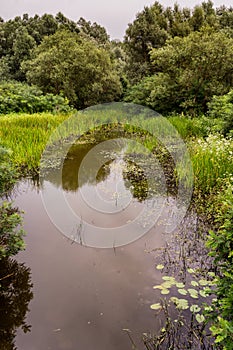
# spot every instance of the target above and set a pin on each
(212, 160)
(26, 136)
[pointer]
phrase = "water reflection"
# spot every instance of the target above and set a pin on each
(136, 170)
(15, 295)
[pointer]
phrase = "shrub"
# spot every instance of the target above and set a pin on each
(220, 242)
(222, 107)
(11, 233)
(22, 98)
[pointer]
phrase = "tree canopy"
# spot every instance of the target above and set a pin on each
(68, 63)
(188, 72)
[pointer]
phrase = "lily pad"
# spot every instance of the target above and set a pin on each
(156, 306)
(203, 282)
(195, 308)
(193, 293)
(200, 318)
(194, 283)
(182, 304)
(182, 291)
(159, 267)
(180, 285)
(165, 291)
(158, 287)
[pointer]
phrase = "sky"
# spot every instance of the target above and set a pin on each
(113, 15)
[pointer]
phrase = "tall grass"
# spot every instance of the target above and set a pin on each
(195, 127)
(212, 162)
(26, 135)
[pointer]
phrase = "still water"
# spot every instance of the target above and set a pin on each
(86, 298)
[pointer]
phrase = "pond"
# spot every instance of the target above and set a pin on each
(84, 295)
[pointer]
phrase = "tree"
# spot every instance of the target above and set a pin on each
(68, 63)
(188, 72)
(156, 24)
(149, 30)
(93, 30)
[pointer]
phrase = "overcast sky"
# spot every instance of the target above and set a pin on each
(114, 15)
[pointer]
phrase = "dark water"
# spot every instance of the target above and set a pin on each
(85, 298)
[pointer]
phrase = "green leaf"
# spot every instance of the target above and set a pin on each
(200, 318)
(180, 285)
(203, 293)
(194, 283)
(195, 308)
(167, 284)
(156, 306)
(159, 267)
(203, 282)
(182, 304)
(158, 287)
(193, 293)
(165, 291)
(182, 291)
(168, 278)
(190, 271)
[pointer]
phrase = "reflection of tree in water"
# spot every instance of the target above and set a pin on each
(15, 295)
(135, 175)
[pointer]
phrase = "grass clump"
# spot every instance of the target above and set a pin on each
(26, 135)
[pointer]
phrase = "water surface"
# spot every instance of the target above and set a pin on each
(86, 298)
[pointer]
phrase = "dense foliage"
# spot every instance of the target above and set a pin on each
(156, 24)
(220, 243)
(189, 71)
(174, 60)
(221, 107)
(21, 98)
(66, 62)
(11, 235)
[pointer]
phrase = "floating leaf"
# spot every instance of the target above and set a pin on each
(193, 293)
(194, 283)
(195, 308)
(190, 271)
(165, 291)
(168, 278)
(182, 304)
(158, 287)
(182, 291)
(167, 284)
(200, 318)
(203, 282)
(159, 267)
(174, 299)
(180, 285)
(156, 306)
(203, 293)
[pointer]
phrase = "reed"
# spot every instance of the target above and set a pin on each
(212, 160)
(26, 135)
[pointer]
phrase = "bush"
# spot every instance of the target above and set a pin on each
(22, 98)
(11, 238)
(11, 233)
(222, 107)
(221, 244)
(7, 171)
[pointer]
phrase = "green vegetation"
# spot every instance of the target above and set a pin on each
(177, 61)
(188, 72)
(16, 97)
(26, 135)
(66, 62)
(11, 235)
(222, 107)
(220, 242)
